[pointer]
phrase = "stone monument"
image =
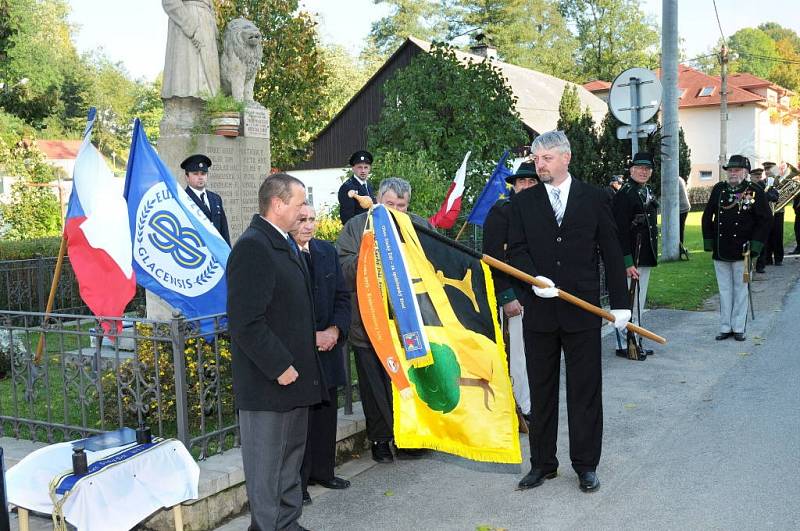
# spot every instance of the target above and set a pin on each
(193, 71)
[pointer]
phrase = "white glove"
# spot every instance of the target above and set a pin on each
(546, 293)
(770, 181)
(621, 318)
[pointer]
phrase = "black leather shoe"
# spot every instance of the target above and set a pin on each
(780, 263)
(761, 269)
(723, 335)
(623, 353)
(411, 453)
(382, 452)
(534, 478)
(739, 336)
(335, 483)
(796, 250)
(588, 481)
(306, 498)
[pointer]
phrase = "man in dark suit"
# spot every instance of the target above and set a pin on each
(361, 164)
(555, 232)
(196, 168)
(276, 371)
(332, 312)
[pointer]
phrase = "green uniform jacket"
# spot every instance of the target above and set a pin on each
(733, 217)
(636, 213)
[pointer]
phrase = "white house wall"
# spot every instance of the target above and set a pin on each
(322, 186)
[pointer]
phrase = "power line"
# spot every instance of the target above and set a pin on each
(768, 58)
(719, 24)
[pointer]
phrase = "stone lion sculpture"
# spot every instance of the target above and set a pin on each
(241, 58)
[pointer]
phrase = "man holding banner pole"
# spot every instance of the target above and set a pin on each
(554, 232)
(373, 383)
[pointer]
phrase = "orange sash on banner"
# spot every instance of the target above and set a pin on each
(375, 317)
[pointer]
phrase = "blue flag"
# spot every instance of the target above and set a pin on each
(495, 189)
(177, 252)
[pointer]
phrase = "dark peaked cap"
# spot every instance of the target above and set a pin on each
(196, 163)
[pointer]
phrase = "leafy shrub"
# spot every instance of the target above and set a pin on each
(155, 370)
(698, 195)
(10, 348)
(30, 248)
(328, 226)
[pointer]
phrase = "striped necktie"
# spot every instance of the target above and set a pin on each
(555, 201)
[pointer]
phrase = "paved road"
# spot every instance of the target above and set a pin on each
(703, 435)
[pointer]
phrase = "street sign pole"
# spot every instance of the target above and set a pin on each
(634, 88)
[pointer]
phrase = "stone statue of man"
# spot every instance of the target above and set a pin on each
(191, 67)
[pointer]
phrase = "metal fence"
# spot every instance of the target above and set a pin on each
(25, 286)
(174, 376)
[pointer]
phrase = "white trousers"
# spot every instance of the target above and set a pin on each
(638, 302)
(518, 365)
(732, 296)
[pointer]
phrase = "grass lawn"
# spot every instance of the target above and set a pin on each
(685, 285)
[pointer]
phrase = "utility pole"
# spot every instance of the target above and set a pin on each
(670, 212)
(723, 109)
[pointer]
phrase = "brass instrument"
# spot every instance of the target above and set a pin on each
(788, 189)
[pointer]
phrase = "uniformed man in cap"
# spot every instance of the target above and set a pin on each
(196, 168)
(759, 178)
(361, 163)
(635, 211)
(737, 217)
(495, 238)
(773, 247)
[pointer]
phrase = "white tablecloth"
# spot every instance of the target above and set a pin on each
(118, 497)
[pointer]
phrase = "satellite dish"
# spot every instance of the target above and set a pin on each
(619, 98)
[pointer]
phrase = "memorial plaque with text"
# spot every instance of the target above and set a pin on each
(256, 122)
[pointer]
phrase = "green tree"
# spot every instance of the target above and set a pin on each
(613, 154)
(292, 74)
(34, 210)
(580, 130)
(425, 19)
(346, 76)
(528, 33)
(786, 74)
(446, 108)
(613, 35)
(753, 46)
(777, 33)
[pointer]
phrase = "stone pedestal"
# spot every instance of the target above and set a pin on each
(239, 166)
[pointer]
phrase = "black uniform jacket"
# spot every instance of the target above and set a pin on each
(734, 216)
(215, 214)
(636, 213)
(348, 206)
(271, 322)
(566, 254)
(331, 307)
(495, 239)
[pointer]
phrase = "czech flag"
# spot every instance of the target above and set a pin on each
(98, 235)
(447, 215)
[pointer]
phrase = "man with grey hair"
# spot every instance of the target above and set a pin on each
(554, 235)
(374, 385)
(276, 371)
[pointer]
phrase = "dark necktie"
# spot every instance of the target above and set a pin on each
(292, 245)
(203, 200)
(307, 256)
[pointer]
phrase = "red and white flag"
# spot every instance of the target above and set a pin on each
(446, 217)
(98, 234)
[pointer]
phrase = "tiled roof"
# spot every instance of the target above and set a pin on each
(597, 85)
(59, 149)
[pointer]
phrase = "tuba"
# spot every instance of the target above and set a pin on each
(788, 189)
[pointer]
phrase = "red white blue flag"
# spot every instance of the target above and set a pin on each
(98, 235)
(447, 215)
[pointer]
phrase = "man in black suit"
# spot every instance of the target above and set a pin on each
(332, 312)
(196, 168)
(555, 232)
(361, 163)
(276, 371)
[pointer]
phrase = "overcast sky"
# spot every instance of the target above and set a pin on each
(134, 32)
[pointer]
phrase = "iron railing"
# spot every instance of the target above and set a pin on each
(174, 376)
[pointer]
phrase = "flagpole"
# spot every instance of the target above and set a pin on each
(51, 298)
(366, 202)
(464, 226)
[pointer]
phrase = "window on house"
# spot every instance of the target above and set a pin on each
(705, 91)
(2, 187)
(682, 94)
(706, 175)
(310, 195)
